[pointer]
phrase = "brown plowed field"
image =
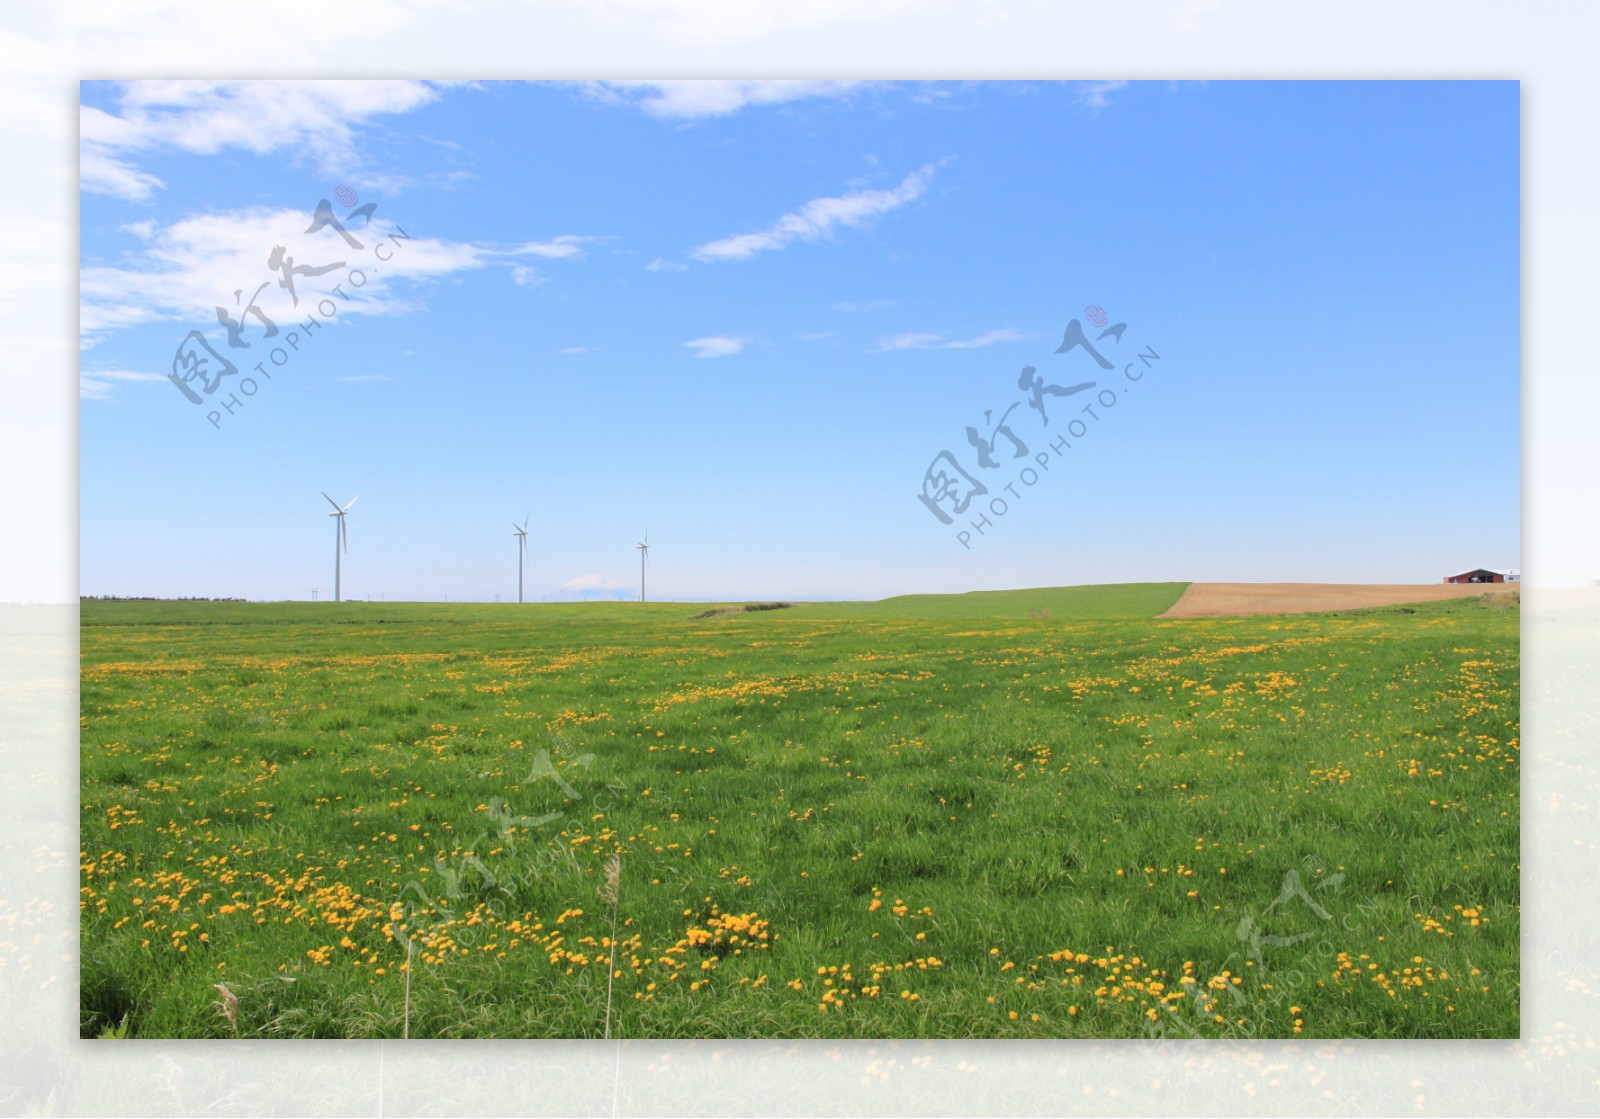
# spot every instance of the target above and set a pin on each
(1224, 600)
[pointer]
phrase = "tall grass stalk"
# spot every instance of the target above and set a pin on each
(609, 893)
(405, 1029)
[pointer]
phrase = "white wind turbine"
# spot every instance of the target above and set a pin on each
(521, 533)
(341, 538)
(644, 554)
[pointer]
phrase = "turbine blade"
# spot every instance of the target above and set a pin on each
(353, 500)
(344, 533)
(331, 501)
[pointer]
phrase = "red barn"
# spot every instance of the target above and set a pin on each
(1477, 575)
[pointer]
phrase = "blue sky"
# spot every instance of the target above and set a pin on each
(748, 315)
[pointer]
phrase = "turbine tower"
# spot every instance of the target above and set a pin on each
(341, 538)
(644, 554)
(521, 533)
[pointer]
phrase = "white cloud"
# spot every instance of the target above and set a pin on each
(96, 384)
(1097, 95)
(909, 342)
(989, 338)
(449, 180)
(659, 265)
(715, 346)
(575, 350)
(568, 246)
(693, 100)
(189, 268)
(818, 218)
(591, 583)
(186, 270)
(923, 341)
(557, 248)
(102, 174)
(596, 586)
(316, 118)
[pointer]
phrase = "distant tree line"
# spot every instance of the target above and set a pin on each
(153, 598)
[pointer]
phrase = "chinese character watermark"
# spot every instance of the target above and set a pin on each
(1282, 950)
(458, 884)
(950, 491)
(207, 377)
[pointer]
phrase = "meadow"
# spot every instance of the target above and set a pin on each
(1042, 813)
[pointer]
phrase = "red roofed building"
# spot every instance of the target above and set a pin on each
(1477, 575)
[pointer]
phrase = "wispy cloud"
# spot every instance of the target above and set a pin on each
(314, 118)
(557, 248)
(101, 173)
(1097, 95)
(96, 384)
(575, 350)
(818, 218)
(715, 346)
(659, 265)
(693, 100)
(568, 246)
(923, 341)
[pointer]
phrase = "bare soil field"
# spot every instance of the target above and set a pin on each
(1223, 600)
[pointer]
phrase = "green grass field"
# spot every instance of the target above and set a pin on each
(1007, 814)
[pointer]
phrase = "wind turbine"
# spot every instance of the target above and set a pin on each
(521, 533)
(644, 554)
(341, 538)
